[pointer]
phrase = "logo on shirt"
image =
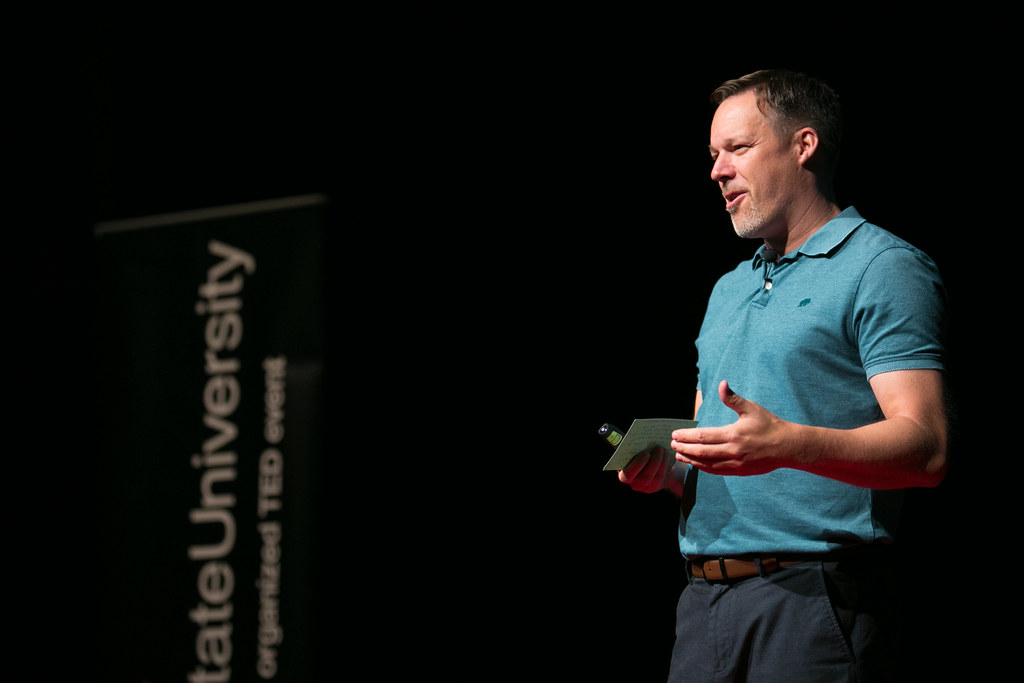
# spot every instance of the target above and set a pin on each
(803, 303)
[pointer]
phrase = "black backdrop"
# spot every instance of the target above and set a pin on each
(523, 238)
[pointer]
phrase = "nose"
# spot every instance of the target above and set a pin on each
(721, 169)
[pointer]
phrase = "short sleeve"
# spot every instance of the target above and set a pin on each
(901, 310)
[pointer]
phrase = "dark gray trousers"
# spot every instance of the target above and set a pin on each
(829, 621)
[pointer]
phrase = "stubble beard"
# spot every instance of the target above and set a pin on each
(749, 224)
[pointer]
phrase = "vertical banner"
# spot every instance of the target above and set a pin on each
(210, 343)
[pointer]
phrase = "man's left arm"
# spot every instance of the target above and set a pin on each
(907, 448)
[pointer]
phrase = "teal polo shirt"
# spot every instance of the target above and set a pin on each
(801, 337)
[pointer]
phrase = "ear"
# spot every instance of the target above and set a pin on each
(805, 142)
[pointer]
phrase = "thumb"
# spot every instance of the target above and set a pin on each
(730, 398)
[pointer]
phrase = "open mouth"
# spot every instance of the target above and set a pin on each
(732, 199)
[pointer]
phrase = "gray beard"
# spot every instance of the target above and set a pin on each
(751, 224)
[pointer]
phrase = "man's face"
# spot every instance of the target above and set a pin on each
(751, 166)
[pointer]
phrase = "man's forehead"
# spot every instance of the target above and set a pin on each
(738, 110)
(737, 120)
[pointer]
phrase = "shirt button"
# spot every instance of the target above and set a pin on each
(767, 284)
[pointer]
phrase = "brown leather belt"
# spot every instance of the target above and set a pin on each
(725, 568)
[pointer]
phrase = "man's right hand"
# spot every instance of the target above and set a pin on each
(652, 471)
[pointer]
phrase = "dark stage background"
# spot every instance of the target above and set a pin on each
(523, 236)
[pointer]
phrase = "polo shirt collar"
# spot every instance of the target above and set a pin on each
(822, 242)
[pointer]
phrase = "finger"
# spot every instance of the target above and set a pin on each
(649, 480)
(635, 466)
(646, 472)
(714, 446)
(700, 436)
(730, 398)
(713, 465)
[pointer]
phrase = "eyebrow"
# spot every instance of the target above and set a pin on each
(731, 142)
(726, 143)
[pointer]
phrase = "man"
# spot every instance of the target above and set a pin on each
(820, 396)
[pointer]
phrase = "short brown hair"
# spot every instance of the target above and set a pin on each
(792, 100)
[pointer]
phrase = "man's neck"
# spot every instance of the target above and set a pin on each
(808, 222)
